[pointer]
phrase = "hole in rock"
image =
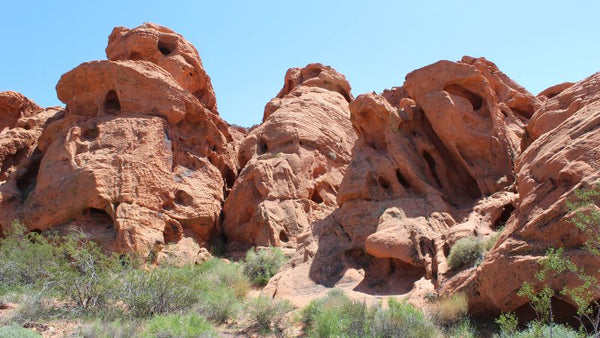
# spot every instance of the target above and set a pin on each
(229, 177)
(261, 147)
(168, 205)
(506, 212)
(173, 232)
(458, 90)
(183, 198)
(283, 237)
(99, 216)
(26, 183)
(112, 106)
(401, 179)
(446, 248)
(431, 165)
(316, 197)
(385, 185)
(165, 48)
(90, 132)
(135, 56)
(426, 247)
(11, 161)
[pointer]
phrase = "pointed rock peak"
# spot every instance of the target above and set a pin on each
(169, 50)
(316, 75)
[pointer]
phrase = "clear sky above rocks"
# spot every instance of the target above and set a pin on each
(246, 46)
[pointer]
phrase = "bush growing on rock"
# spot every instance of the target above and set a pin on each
(261, 265)
(465, 253)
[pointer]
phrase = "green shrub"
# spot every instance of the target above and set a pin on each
(176, 325)
(159, 291)
(450, 310)
(218, 274)
(15, 331)
(508, 323)
(219, 305)
(261, 265)
(267, 314)
(489, 243)
(465, 253)
(537, 330)
(336, 315)
(118, 329)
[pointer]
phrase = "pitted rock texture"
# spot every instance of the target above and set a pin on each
(140, 160)
(170, 51)
(294, 161)
(434, 162)
(14, 106)
(560, 161)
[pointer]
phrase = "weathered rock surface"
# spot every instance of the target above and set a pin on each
(170, 51)
(141, 159)
(294, 161)
(563, 159)
(420, 178)
(14, 106)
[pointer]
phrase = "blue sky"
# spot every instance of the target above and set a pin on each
(246, 46)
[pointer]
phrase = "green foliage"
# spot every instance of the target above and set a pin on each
(537, 330)
(489, 244)
(540, 301)
(219, 305)
(267, 314)
(177, 325)
(159, 291)
(118, 329)
(261, 265)
(508, 323)
(217, 273)
(15, 331)
(465, 253)
(451, 310)
(338, 316)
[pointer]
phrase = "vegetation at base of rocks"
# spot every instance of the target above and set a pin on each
(448, 311)
(489, 243)
(466, 252)
(336, 315)
(261, 265)
(585, 215)
(176, 325)
(16, 331)
(266, 314)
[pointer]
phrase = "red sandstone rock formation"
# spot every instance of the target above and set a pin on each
(564, 157)
(294, 161)
(141, 158)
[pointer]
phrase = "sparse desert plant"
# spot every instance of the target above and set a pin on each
(267, 314)
(216, 273)
(508, 323)
(219, 305)
(401, 319)
(16, 331)
(261, 265)
(159, 291)
(536, 329)
(450, 310)
(465, 253)
(178, 325)
(117, 329)
(489, 243)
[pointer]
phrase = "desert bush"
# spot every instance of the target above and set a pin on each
(336, 315)
(465, 253)
(15, 331)
(159, 291)
(118, 329)
(536, 329)
(489, 243)
(177, 325)
(217, 274)
(261, 265)
(508, 324)
(450, 310)
(267, 314)
(219, 305)
(26, 259)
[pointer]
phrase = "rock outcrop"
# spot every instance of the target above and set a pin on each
(420, 179)
(140, 159)
(293, 162)
(563, 158)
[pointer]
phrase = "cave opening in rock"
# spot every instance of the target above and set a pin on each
(501, 221)
(283, 237)
(431, 165)
(112, 105)
(458, 90)
(90, 132)
(183, 198)
(402, 180)
(26, 182)
(165, 47)
(316, 197)
(229, 177)
(261, 147)
(173, 232)
(383, 183)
